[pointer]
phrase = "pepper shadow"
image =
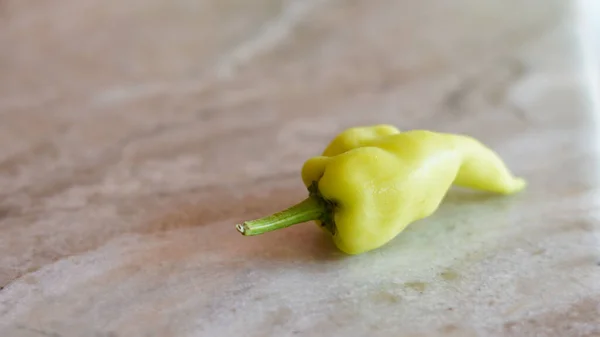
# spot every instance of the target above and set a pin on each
(460, 196)
(466, 226)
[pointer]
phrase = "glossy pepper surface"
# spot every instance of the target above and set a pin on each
(371, 182)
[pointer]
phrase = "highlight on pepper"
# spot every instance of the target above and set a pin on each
(371, 182)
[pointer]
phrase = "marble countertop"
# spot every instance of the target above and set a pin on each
(135, 134)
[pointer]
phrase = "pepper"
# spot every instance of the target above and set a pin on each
(371, 182)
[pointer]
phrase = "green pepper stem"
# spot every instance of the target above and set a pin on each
(308, 210)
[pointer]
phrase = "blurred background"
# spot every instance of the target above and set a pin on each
(134, 134)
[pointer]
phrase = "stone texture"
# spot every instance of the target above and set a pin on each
(135, 134)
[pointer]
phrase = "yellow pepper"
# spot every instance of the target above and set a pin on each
(371, 182)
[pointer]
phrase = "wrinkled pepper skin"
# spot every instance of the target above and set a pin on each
(380, 180)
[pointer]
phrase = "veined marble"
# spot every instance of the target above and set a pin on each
(135, 134)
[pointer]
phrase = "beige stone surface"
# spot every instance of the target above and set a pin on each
(135, 134)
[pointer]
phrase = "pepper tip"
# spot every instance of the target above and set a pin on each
(241, 228)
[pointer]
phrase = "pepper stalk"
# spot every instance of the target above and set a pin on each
(313, 208)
